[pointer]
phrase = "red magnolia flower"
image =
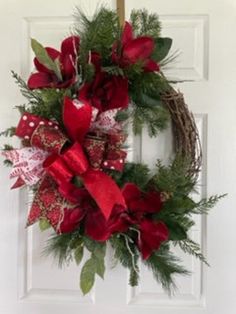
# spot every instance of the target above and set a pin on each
(140, 204)
(46, 78)
(152, 234)
(95, 224)
(132, 50)
(71, 219)
(105, 92)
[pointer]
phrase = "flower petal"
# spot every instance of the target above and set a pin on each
(119, 220)
(138, 49)
(119, 97)
(40, 80)
(96, 226)
(131, 192)
(151, 237)
(70, 46)
(127, 34)
(66, 83)
(153, 202)
(106, 92)
(71, 220)
(151, 66)
(83, 94)
(68, 66)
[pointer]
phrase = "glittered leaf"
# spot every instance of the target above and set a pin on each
(43, 57)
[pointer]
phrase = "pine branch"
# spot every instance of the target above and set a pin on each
(97, 34)
(114, 70)
(164, 265)
(7, 162)
(61, 247)
(21, 108)
(174, 178)
(7, 147)
(50, 104)
(9, 132)
(133, 172)
(155, 118)
(145, 24)
(126, 253)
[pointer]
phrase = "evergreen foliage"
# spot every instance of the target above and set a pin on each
(97, 34)
(164, 265)
(125, 251)
(46, 102)
(145, 24)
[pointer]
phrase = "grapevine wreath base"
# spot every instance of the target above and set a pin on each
(73, 155)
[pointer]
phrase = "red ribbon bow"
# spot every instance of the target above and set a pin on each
(63, 165)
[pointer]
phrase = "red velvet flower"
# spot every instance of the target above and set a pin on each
(105, 92)
(132, 50)
(140, 203)
(71, 219)
(95, 225)
(152, 234)
(88, 215)
(46, 78)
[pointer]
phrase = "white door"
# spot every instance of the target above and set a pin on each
(204, 32)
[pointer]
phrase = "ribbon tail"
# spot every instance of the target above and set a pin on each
(96, 182)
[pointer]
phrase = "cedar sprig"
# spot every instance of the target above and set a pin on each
(191, 247)
(33, 96)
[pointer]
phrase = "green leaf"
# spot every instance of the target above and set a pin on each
(122, 115)
(89, 244)
(44, 224)
(87, 275)
(100, 267)
(43, 57)
(100, 250)
(176, 231)
(78, 254)
(98, 255)
(162, 48)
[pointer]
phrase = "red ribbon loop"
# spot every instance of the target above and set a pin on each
(58, 170)
(104, 190)
(75, 159)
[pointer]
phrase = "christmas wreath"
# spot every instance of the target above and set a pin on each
(73, 133)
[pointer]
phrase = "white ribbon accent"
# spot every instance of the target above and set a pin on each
(27, 163)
